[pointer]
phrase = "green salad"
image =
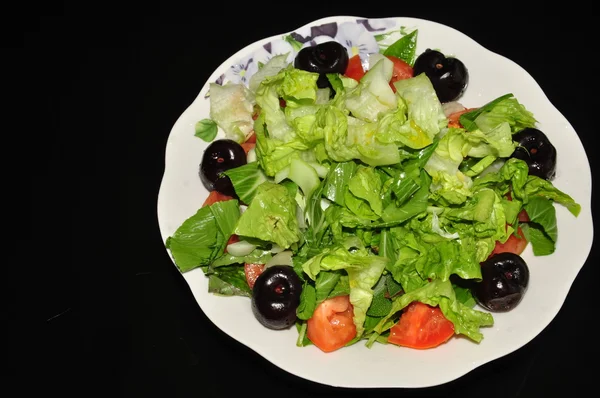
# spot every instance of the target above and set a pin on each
(364, 209)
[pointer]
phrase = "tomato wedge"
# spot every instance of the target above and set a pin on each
(421, 326)
(252, 272)
(214, 197)
(233, 239)
(513, 244)
(251, 138)
(355, 69)
(248, 146)
(331, 327)
(402, 70)
(523, 216)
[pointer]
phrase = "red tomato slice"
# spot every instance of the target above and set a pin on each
(421, 326)
(248, 146)
(355, 69)
(523, 216)
(233, 239)
(402, 70)
(513, 244)
(251, 138)
(252, 272)
(331, 326)
(214, 197)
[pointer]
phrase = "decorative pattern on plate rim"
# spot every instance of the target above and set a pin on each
(361, 36)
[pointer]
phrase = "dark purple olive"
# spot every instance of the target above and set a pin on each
(448, 75)
(537, 151)
(219, 156)
(323, 58)
(275, 297)
(505, 277)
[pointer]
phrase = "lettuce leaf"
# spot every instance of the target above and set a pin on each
(424, 107)
(203, 237)
(373, 95)
(504, 109)
(270, 217)
(232, 107)
(245, 180)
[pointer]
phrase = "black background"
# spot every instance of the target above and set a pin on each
(96, 306)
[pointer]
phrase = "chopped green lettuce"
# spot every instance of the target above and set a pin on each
(270, 217)
(202, 237)
(231, 108)
(370, 191)
(373, 95)
(504, 109)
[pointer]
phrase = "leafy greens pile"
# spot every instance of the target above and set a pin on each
(370, 193)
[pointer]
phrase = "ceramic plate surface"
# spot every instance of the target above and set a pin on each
(490, 75)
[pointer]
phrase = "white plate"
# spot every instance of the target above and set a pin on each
(491, 75)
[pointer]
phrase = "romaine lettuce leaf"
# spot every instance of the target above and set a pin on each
(348, 138)
(448, 182)
(298, 87)
(424, 107)
(270, 217)
(373, 95)
(273, 155)
(245, 180)
(395, 127)
(361, 293)
(513, 176)
(496, 141)
(271, 68)
(504, 109)
(366, 184)
(273, 117)
(337, 180)
(232, 107)
(536, 186)
(414, 206)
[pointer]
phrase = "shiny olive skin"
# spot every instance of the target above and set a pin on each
(221, 155)
(537, 151)
(276, 296)
(505, 277)
(323, 58)
(448, 75)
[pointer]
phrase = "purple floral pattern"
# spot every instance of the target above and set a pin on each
(358, 36)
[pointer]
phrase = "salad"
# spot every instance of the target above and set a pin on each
(357, 200)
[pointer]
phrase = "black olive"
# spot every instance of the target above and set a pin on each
(219, 156)
(275, 297)
(505, 277)
(537, 151)
(328, 57)
(448, 75)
